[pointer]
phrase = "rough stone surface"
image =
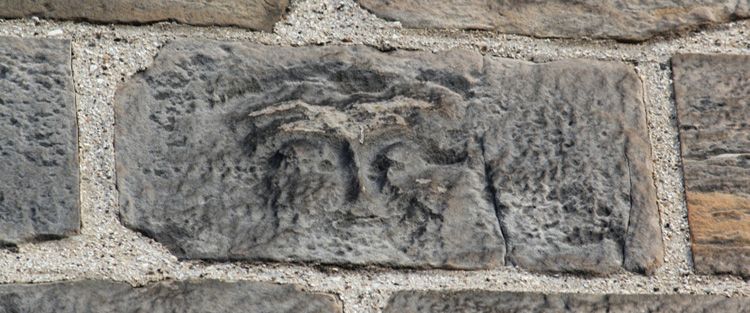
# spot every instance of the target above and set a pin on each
(713, 106)
(253, 14)
(347, 155)
(568, 159)
(333, 155)
(170, 296)
(38, 141)
(488, 302)
(625, 20)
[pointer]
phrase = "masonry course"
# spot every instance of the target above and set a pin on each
(38, 141)
(104, 56)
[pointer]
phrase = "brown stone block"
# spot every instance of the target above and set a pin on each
(711, 93)
(720, 229)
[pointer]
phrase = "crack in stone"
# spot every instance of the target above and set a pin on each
(630, 198)
(490, 188)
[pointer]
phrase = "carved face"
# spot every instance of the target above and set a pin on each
(411, 170)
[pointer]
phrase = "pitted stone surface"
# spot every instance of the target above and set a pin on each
(347, 155)
(625, 20)
(568, 159)
(487, 302)
(713, 105)
(175, 296)
(253, 14)
(38, 141)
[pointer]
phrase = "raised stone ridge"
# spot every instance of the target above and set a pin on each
(168, 296)
(713, 106)
(38, 141)
(252, 14)
(347, 155)
(624, 20)
(507, 302)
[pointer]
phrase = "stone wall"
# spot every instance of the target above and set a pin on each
(374, 156)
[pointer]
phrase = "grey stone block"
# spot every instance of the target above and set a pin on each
(253, 14)
(507, 302)
(569, 161)
(346, 155)
(625, 20)
(38, 141)
(169, 296)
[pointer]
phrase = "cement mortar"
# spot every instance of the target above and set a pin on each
(105, 55)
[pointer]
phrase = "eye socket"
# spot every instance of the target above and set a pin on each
(326, 166)
(306, 153)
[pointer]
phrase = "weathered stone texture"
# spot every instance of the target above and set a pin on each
(569, 162)
(506, 302)
(625, 20)
(713, 105)
(346, 155)
(38, 141)
(253, 14)
(334, 155)
(183, 296)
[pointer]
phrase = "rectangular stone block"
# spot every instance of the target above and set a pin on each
(253, 14)
(162, 297)
(347, 155)
(712, 93)
(488, 301)
(569, 163)
(625, 20)
(38, 141)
